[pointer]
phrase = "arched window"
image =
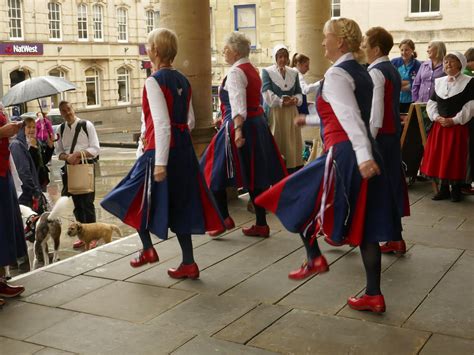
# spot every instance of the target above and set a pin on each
(82, 22)
(92, 87)
(56, 99)
(123, 84)
(54, 17)
(98, 21)
(15, 19)
(122, 25)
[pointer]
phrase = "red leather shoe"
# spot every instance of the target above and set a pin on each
(183, 271)
(93, 244)
(367, 303)
(9, 291)
(314, 266)
(2, 302)
(228, 223)
(257, 231)
(144, 257)
(78, 244)
(398, 247)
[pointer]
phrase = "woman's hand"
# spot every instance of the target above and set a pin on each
(445, 121)
(239, 137)
(300, 120)
(74, 158)
(33, 142)
(406, 86)
(369, 169)
(160, 173)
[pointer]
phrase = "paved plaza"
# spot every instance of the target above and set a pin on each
(243, 303)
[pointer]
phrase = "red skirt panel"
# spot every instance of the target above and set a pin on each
(446, 152)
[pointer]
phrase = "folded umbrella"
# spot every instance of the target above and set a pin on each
(35, 88)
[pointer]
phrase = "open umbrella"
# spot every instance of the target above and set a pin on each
(35, 88)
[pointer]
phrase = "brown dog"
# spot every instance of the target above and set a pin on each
(87, 232)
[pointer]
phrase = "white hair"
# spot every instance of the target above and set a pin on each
(239, 43)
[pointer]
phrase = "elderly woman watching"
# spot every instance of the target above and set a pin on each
(243, 152)
(451, 107)
(431, 69)
(282, 93)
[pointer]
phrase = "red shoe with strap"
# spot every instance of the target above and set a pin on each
(314, 266)
(144, 257)
(183, 271)
(78, 244)
(397, 247)
(374, 304)
(9, 291)
(228, 223)
(257, 231)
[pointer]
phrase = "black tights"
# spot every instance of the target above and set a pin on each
(221, 200)
(371, 257)
(185, 242)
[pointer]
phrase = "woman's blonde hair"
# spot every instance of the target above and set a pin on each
(165, 43)
(350, 32)
(440, 49)
(239, 43)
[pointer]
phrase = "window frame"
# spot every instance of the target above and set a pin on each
(423, 13)
(98, 21)
(18, 10)
(335, 6)
(62, 74)
(150, 20)
(82, 10)
(96, 81)
(236, 21)
(52, 21)
(124, 25)
(127, 85)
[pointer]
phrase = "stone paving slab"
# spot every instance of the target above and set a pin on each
(305, 332)
(206, 255)
(19, 320)
(468, 225)
(11, 346)
(51, 351)
(203, 314)
(443, 344)
(66, 291)
(403, 294)
(443, 208)
(124, 246)
(252, 323)
(239, 267)
(79, 265)
(205, 346)
(89, 334)
(38, 280)
(328, 293)
(449, 308)
(128, 301)
(272, 284)
(449, 223)
(455, 239)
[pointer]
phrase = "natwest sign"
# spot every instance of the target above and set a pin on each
(21, 48)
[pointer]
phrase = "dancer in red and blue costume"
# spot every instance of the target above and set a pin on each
(344, 195)
(243, 153)
(385, 125)
(12, 237)
(165, 188)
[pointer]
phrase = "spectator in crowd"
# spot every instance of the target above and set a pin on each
(300, 62)
(282, 94)
(450, 108)
(12, 238)
(431, 69)
(470, 62)
(75, 136)
(243, 152)
(344, 195)
(165, 188)
(408, 67)
(32, 195)
(385, 124)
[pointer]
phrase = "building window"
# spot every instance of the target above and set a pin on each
(54, 17)
(336, 8)
(245, 20)
(150, 21)
(92, 87)
(123, 82)
(122, 24)
(14, 14)
(56, 99)
(157, 19)
(97, 20)
(424, 7)
(82, 21)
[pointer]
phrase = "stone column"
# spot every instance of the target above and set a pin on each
(190, 19)
(310, 18)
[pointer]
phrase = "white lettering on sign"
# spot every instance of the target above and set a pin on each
(25, 49)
